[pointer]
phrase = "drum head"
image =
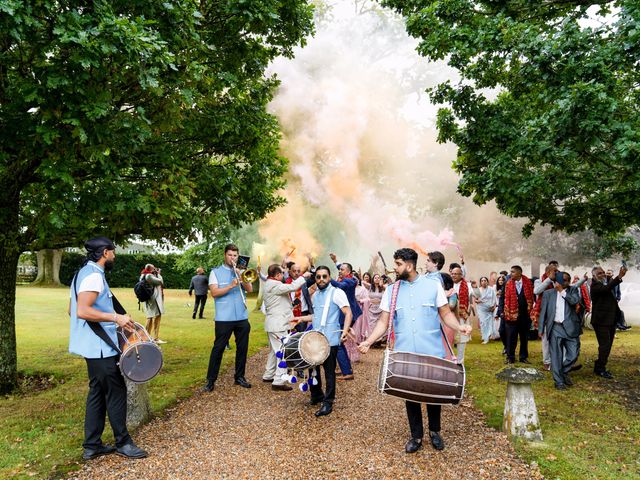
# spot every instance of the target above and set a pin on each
(314, 347)
(141, 362)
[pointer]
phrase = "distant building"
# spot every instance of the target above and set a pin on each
(132, 248)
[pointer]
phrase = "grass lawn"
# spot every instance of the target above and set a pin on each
(590, 431)
(41, 433)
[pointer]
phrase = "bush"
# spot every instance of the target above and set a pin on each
(126, 270)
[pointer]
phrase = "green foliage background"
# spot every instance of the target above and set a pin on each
(126, 270)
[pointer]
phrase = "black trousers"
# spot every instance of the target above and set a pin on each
(414, 414)
(604, 335)
(302, 326)
(201, 301)
(107, 394)
(240, 330)
(513, 330)
(502, 332)
(329, 367)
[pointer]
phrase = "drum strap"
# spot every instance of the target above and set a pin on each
(392, 310)
(392, 313)
(95, 326)
(327, 305)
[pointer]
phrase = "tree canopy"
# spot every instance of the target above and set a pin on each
(545, 114)
(135, 118)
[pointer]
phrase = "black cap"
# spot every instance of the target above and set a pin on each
(98, 243)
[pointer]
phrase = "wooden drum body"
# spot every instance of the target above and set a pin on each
(141, 358)
(421, 378)
(306, 349)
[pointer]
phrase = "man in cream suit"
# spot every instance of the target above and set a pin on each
(277, 302)
(560, 322)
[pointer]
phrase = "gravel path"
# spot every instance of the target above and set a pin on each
(258, 433)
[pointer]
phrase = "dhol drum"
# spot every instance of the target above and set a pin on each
(141, 358)
(306, 349)
(421, 378)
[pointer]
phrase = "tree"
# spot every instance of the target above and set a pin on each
(545, 114)
(134, 117)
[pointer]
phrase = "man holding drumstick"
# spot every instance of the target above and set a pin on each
(329, 303)
(420, 304)
(93, 336)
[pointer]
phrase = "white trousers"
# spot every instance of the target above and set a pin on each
(272, 371)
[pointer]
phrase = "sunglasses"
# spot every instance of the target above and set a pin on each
(320, 277)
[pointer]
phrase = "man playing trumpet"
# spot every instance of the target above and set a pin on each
(231, 317)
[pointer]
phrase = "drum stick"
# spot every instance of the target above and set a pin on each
(383, 262)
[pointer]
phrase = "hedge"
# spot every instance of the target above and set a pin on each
(127, 268)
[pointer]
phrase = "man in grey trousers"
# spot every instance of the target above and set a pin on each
(559, 320)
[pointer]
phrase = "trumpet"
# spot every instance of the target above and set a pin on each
(249, 276)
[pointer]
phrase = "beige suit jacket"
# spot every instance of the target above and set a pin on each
(277, 303)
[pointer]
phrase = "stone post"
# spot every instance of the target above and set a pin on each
(138, 406)
(520, 413)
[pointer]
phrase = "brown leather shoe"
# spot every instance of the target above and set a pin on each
(345, 377)
(281, 388)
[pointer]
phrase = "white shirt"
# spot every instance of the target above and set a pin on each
(519, 286)
(92, 283)
(559, 318)
(213, 279)
(340, 298)
(441, 298)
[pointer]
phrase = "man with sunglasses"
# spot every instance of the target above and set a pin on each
(329, 303)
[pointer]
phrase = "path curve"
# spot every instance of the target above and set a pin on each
(258, 433)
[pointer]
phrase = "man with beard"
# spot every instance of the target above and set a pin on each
(417, 334)
(93, 336)
(329, 305)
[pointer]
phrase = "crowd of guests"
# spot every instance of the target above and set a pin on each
(555, 308)
(507, 305)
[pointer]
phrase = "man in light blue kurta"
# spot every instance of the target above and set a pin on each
(232, 316)
(420, 304)
(91, 305)
(329, 305)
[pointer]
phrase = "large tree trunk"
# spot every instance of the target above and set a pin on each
(48, 268)
(9, 255)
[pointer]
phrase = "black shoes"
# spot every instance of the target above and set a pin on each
(508, 362)
(242, 382)
(413, 445)
(436, 440)
(315, 402)
(281, 388)
(567, 381)
(193, 316)
(561, 386)
(525, 361)
(575, 368)
(130, 450)
(91, 453)
(267, 380)
(604, 374)
(208, 387)
(326, 409)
